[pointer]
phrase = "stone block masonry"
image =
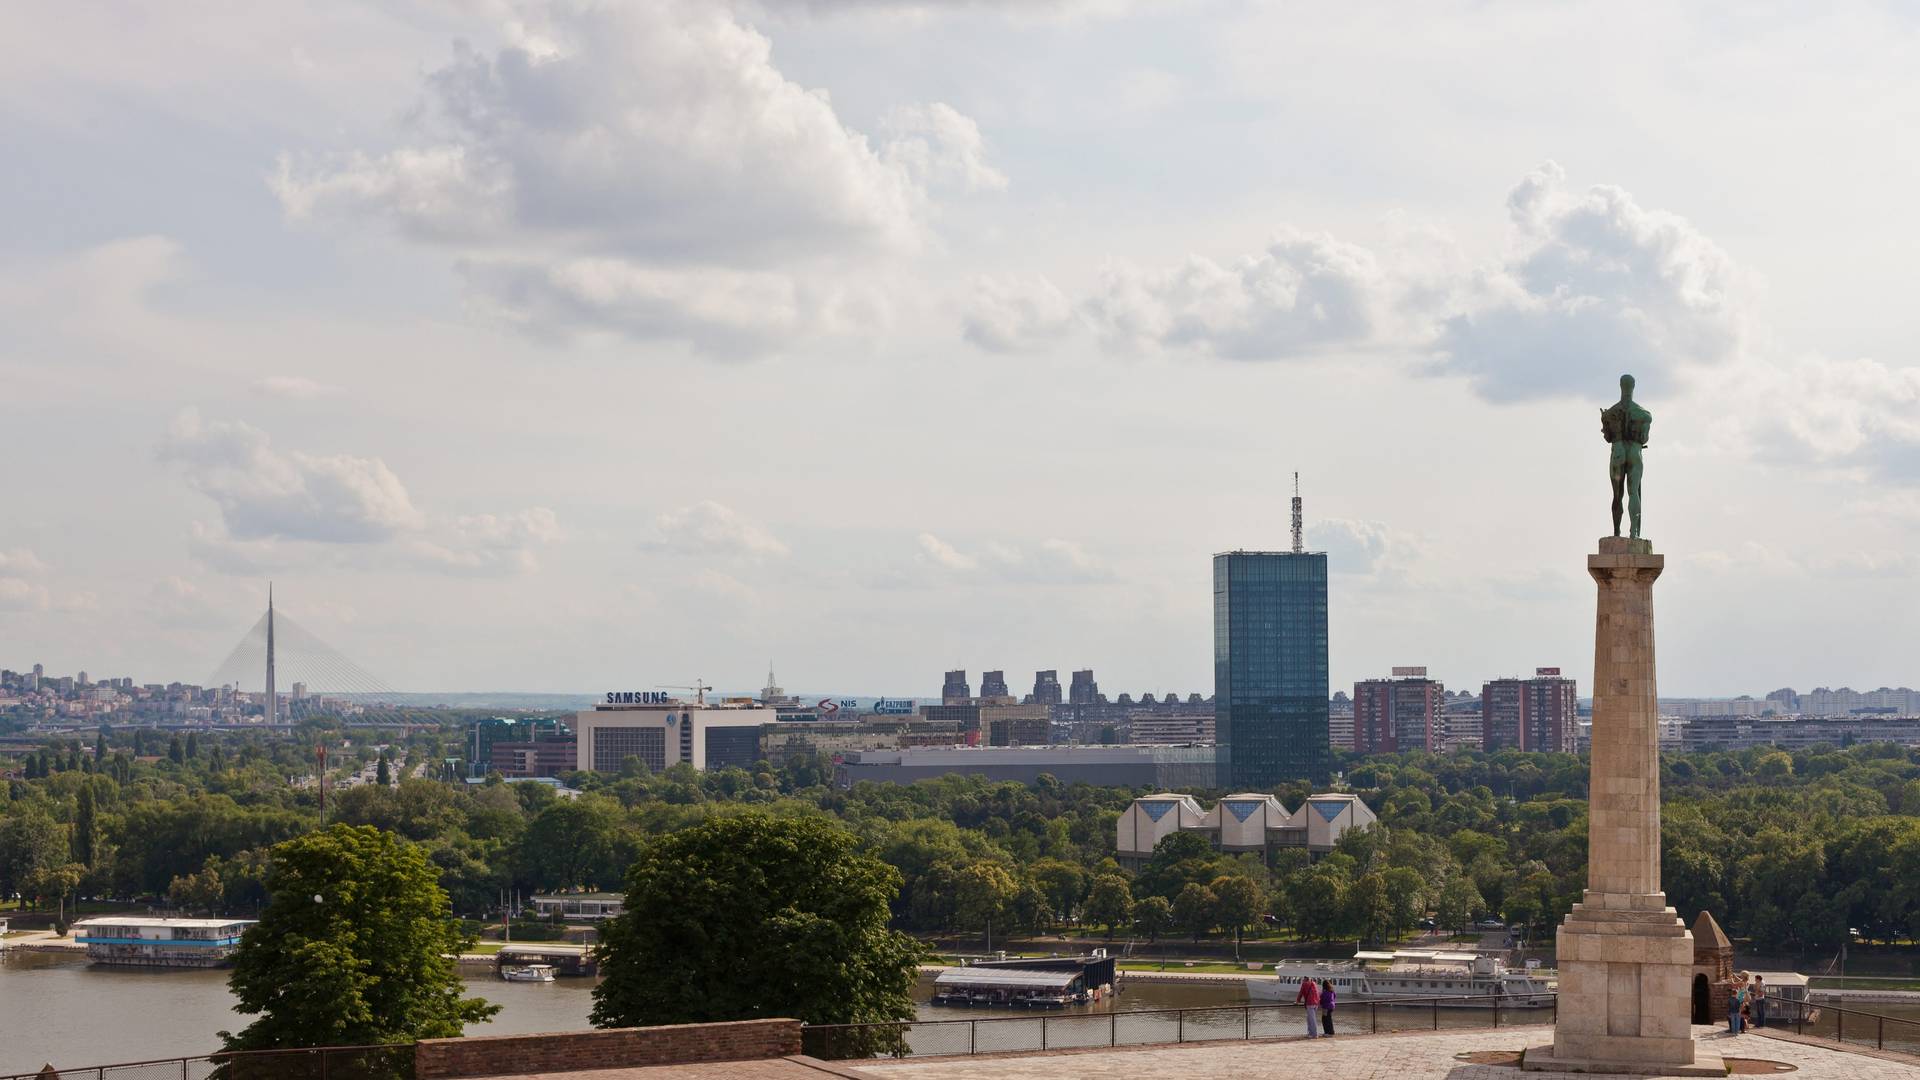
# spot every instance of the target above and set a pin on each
(1625, 957)
(570, 1051)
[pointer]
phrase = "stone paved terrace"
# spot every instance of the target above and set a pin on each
(781, 1068)
(1413, 1056)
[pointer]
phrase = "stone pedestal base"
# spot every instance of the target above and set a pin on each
(1542, 1059)
(1626, 961)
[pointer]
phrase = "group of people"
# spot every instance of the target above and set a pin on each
(1318, 998)
(1746, 1003)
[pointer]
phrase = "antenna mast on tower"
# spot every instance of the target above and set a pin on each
(1298, 545)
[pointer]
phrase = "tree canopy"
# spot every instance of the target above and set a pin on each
(355, 947)
(753, 916)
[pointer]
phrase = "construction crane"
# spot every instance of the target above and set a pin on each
(699, 689)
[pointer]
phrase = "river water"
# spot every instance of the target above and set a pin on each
(63, 1010)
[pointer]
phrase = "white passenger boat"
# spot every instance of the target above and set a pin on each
(1397, 976)
(528, 973)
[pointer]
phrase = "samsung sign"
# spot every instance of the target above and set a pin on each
(637, 697)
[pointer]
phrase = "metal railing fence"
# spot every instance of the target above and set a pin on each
(1049, 1031)
(387, 1062)
(1016, 1034)
(1880, 1031)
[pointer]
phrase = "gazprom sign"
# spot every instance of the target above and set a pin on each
(893, 707)
(637, 697)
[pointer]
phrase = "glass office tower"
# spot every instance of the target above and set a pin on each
(1270, 668)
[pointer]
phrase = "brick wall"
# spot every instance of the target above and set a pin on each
(498, 1055)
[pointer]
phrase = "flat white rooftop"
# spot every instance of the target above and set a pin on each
(140, 920)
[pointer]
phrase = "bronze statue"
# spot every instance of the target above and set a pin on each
(1627, 427)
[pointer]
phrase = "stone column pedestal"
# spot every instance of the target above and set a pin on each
(1625, 957)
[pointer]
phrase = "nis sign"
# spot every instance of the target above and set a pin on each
(1546, 673)
(636, 697)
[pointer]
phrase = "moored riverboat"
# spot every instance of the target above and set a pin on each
(148, 942)
(1477, 981)
(533, 973)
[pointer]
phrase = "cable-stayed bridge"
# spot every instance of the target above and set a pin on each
(278, 652)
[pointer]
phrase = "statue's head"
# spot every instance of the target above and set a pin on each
(1626, 386)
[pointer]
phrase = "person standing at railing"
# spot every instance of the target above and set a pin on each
(1759, 1001)
(1736, 1000)
(1326, 1007)
(1309, 996)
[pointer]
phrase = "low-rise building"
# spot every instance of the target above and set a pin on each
(589, 907)
(1743, 732)
(1171, 729)
(662, 731)
(1158, 767)
(1250, 822)
(542, 757)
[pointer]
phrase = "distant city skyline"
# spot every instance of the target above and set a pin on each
(882, 338)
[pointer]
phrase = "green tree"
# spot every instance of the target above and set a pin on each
(383, 774)
(1457, 902)
(755, 916)
(31, 844)
(85, 827)
(176, 753)
(1109, 903)
(201, 892)
(571, 843)
(982, 892)
(1193, 909)
(1236, 902)
(193, 745)
(1153, 916)
(55, 882)
(1318, 898)
(355, 947)
(1406, 898)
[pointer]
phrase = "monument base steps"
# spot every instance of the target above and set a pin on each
(1541, 1059)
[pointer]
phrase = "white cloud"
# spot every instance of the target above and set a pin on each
(20, 562)
(488, 545)
(102, 292)
(1754, 559)
(16, 592)
(264, 494)
(1051, 562)
(1366, 548)
(937, 552)
(281, 509)
(647, 166)
(18, 595)
(1016, 313)
(293, 388)
(1596, 285)
(709, 528)
(938, 144)
(1303, 293)
(720, 311)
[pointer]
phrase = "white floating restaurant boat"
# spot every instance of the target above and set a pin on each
(1485, 981)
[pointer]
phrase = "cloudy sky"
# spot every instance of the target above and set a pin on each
(569, 346)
